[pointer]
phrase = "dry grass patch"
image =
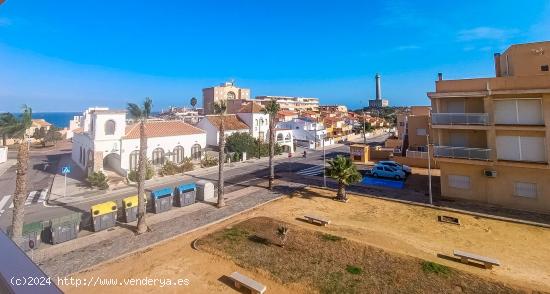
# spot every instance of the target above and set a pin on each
(331, 264)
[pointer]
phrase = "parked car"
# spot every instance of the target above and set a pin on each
(407, 169)
(380, 170)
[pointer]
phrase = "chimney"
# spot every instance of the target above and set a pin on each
(498, 72)
(378, 87)
(440, 76)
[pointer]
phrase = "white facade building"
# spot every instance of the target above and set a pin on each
(210, 125)
(106, 141)
(306, 132)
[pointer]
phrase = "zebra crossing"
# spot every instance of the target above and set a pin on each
(311, 171)
(33, 197)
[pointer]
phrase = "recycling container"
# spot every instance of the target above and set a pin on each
(130, 208)
(64, 228)
(104, 215)
(162, 199)
(185, 194)
(205, 191)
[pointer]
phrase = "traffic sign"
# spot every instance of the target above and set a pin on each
(66, 170)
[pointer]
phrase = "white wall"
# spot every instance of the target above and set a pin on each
(3, 154)
(99, 126)
(81, 140)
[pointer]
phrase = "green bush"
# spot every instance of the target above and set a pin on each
(354, 270)
(329, 237)
(244, 142)
(436, 268)
(133, 176)
(187, 165)
(209, 161)
(98, 180)
(169, 168)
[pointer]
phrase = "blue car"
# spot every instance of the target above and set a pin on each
(387, 172)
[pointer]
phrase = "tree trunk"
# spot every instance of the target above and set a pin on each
(341, 195)
(142, 168)
(4, 139)
(221, 161)
(271, 151)
(20, 195)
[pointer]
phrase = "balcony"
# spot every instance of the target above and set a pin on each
(462, 152)
(460, 119)
(417, 154)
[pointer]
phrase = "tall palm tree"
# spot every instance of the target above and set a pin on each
(220, 109)
(16, 127)
(271, 109)
(193, 102)
(6, 119)
(344, 171)
(141, 114)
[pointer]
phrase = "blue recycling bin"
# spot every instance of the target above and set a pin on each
(162, 199)
(185, 194)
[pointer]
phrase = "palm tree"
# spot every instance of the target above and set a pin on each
(193, 102)
(344, 171)
(220, 108)
(16, 127)
(6, 119)
(141, 114)
(271, 109)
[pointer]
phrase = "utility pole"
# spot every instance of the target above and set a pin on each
(324, 165)
(259, 139)
(429, 170)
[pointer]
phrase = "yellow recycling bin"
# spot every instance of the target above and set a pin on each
(104, 215)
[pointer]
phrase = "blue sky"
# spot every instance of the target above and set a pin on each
(69, 55)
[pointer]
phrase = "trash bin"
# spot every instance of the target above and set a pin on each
(205, 191)
(185, 194)
(31, 236)
(104, 215)
(162, 199)
(130, 208)
(65, 228)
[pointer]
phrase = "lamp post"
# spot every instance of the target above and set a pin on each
(429, 170)
(324, 165)
(260, 123)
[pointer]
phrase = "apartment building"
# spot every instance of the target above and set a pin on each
(233, 95)
(291, 103)
(491, 135)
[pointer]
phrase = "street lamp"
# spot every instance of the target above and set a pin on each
(324, 164)
(260, 123)
(429, 170)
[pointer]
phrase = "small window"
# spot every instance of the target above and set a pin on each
(544, 67)
(525, 189)
(421, 132)
(110, 126)
(459, 182)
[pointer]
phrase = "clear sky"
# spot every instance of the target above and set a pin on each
(69, 55)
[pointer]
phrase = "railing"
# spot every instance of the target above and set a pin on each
(460, 119)
(462, 152)
(417, 154)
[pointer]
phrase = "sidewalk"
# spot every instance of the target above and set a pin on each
(79, 254)
(7, 165)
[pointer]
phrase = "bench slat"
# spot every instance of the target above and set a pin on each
(476, 257)
(316, 218)
(248, 282)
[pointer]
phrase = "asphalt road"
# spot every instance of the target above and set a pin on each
(236, 178)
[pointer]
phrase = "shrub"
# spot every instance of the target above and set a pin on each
(209, 161)
(436, 268)
(329, 237)
(169, 168)
(98, 180)
(187, 165)
(133, 176)
(354, 270)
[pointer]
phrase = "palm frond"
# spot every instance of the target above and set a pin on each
(271, 108)
(135, 111)
(147, 107)
(220, 107)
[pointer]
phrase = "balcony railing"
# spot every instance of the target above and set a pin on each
(462, 152)
(460, 119)
(417, 154)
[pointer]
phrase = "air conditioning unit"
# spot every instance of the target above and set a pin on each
(490, 173)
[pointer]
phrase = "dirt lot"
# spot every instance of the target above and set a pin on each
(394, 227)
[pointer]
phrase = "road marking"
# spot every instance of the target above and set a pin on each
(311, 171)
(30, 197)
(3, 202)
(33, 197)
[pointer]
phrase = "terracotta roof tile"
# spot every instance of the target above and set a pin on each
(162, 129)
(252, 107)
(231, 122)
(41, 123)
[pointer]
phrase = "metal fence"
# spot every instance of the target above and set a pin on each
(462, 152)
(460, 119)
(417, 154)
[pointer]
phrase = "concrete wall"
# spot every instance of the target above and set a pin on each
(416, 162)
(525, 60)
(3, 154)
(499, 190)
(415, 123)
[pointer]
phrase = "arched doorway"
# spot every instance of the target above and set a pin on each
(134, 160)
(158, 156)
(111, 162)
(196, 152)
(178, 154)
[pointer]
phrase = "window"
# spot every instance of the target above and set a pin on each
(110, 126)
(525, 189)
(178, 154)
(521, 148)
(134, 160)
(158, 156)
(279, 137)
(518, 112)
(459, 182)
(230, 95)
(401, 124)
(544, 67)
(196, 152)
(421, 132)
(288, 137)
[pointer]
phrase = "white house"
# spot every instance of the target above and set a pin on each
(210, 124)
(106, 141)
(306, 132)
(258, 123)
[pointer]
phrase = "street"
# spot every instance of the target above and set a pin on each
(246, 174)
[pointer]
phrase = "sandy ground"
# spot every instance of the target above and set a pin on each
(407, 229)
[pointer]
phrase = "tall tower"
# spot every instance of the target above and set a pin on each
(378, 87)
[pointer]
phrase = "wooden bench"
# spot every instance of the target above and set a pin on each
(316, 219)
(242, 280)
(465, 257)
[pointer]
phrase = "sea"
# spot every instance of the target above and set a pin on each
(58, 119)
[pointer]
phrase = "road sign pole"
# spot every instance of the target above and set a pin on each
(65, 191)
